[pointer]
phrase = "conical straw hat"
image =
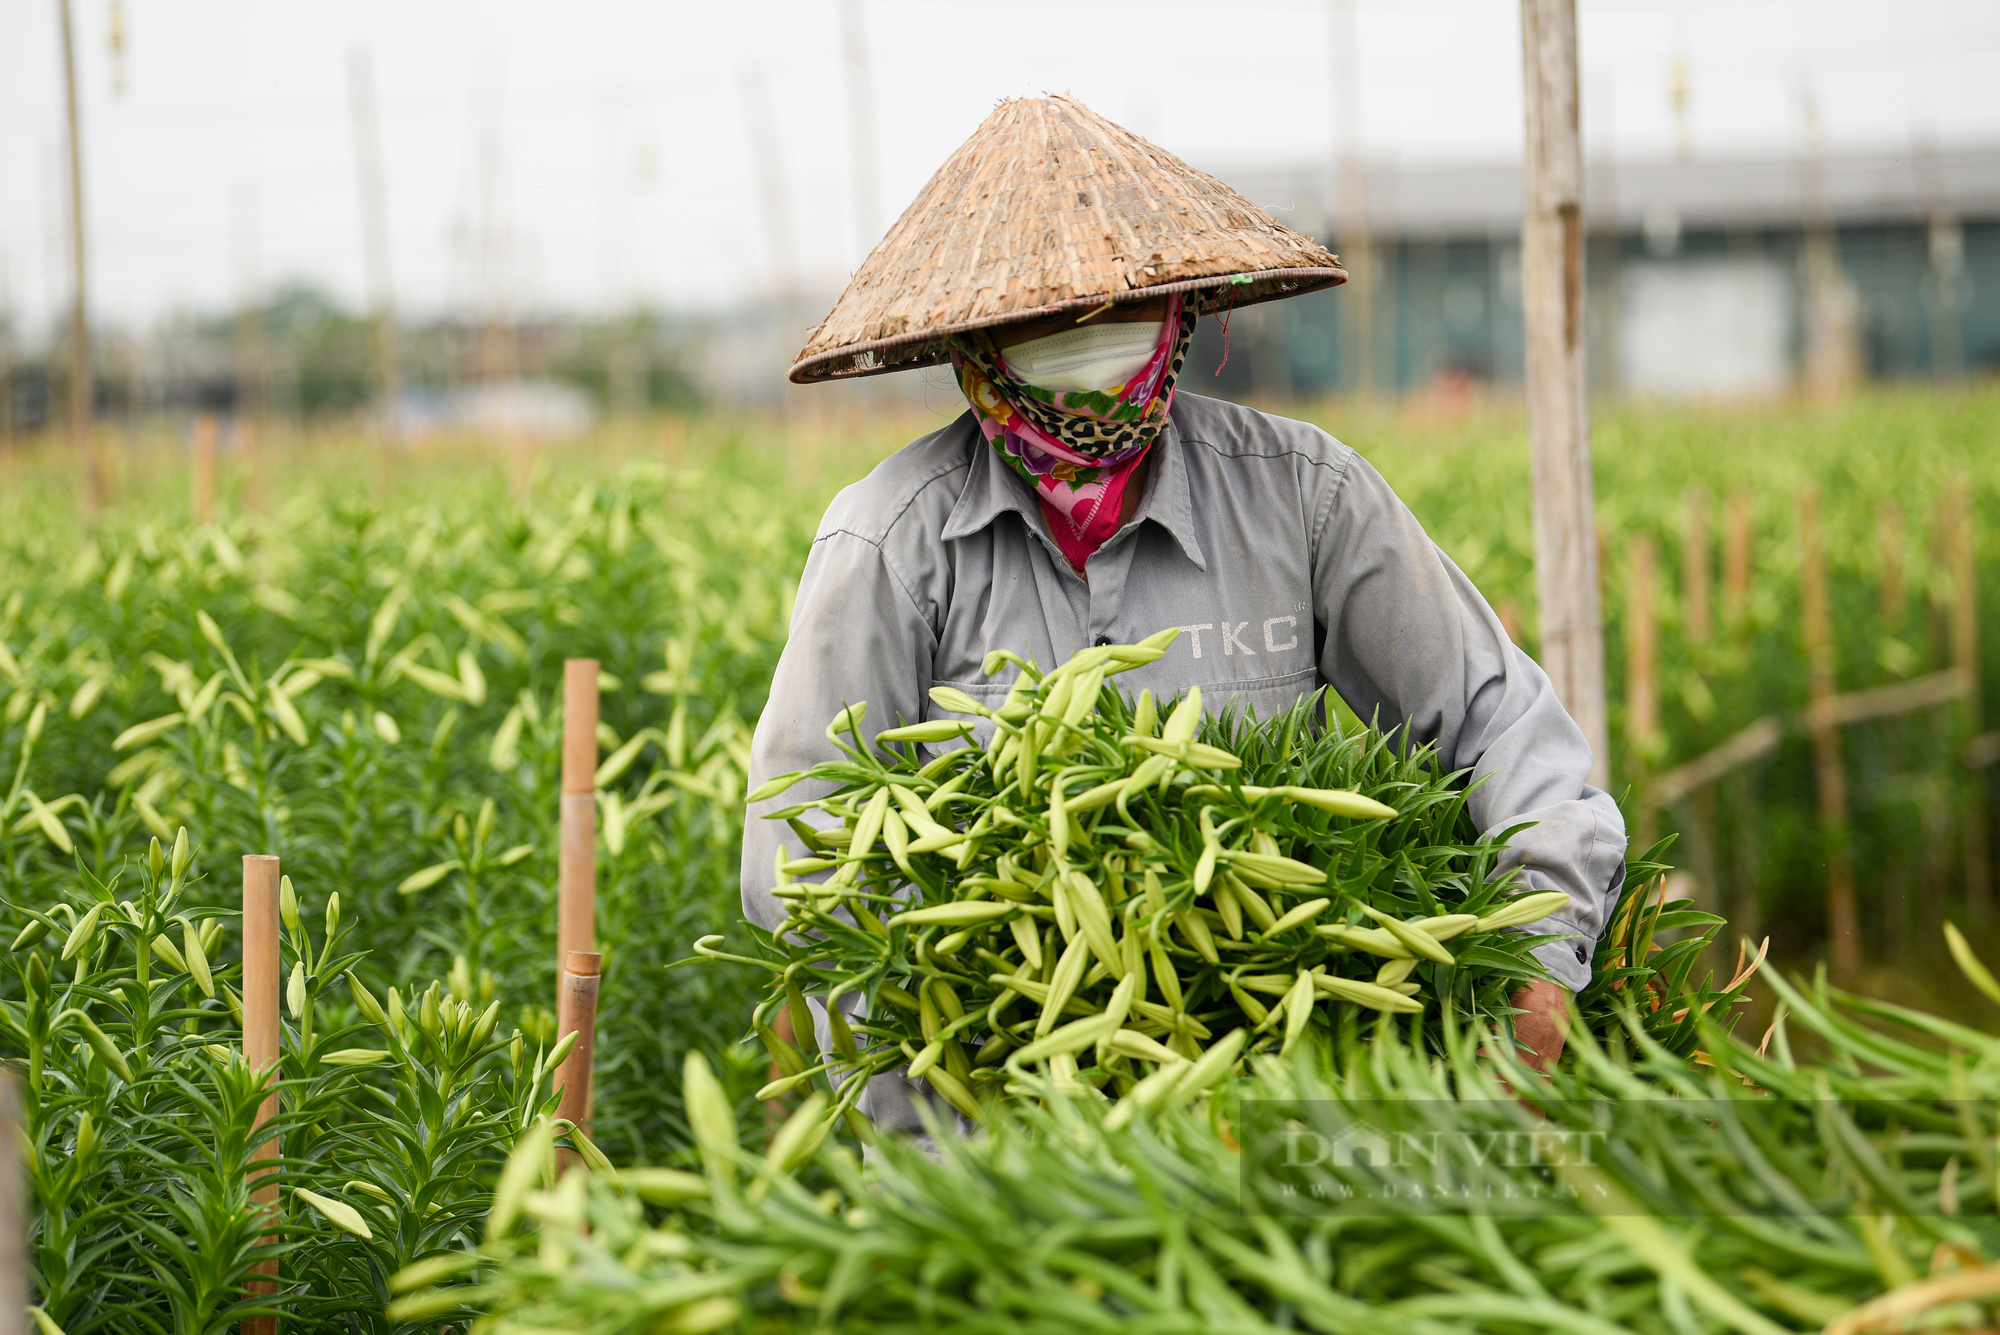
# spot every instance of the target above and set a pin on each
(1049, 207)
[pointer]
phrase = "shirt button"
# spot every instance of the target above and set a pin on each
(1102, 640)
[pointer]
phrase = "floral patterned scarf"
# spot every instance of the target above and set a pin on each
(1076, 448)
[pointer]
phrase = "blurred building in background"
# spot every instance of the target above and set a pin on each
(1707, 278)
(1711, 277)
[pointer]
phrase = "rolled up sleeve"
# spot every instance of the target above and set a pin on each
(1410, 641)
(857, 635)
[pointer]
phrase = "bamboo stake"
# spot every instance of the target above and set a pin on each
(1738, 531)
(249, 441)
(261, 1042)
(1694, 566)
(1642, 705)
(80, 386)
(1830, 773)
(1552, 296)
(1890, 540)
(576, 923)
(576, 1013)
(1962, 555)
(201, 473)
(14, 1292)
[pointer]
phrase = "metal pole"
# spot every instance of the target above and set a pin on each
(1565, 508)
(79, 322)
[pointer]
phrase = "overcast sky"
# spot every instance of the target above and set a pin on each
(619, 160)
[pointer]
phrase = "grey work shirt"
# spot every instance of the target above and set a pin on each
(1286, 561)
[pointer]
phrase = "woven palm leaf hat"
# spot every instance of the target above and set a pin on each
(1050, 207)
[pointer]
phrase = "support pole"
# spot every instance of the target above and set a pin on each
(79, 311)
(576, 1013)
(1890, 542)
(260, 1042)
(1351, 234)
(1963, 556)
(1696, 581)
(576, 924)
(202, 468)
(1843, 927)
(1642, 696)
(1738, 537)
(1552, 298)
(383, 349)
(14, 1292)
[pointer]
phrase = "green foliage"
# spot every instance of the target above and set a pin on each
(1744, 1191)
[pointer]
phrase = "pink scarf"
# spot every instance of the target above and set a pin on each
(1077, 448)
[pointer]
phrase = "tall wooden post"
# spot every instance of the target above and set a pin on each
(576, 924)
(261, 981)
(1558, 426)
(1695, 570)
(1962, 554)
(1642, 697)
(1843, 927)
(202, 468)
(79, 311)
(577, 1013)
(1890, 597)
(14, 1292)
(1738, 534)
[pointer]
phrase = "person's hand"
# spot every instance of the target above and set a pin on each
(1540, 1031)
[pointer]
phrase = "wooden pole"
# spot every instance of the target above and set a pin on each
(576, 923)
(1843, 929)
(1738, 535)
(260, 1040)
(1552, 296)
(1357, 311)
(1890, 540)
(79, 311)
(14, 1292)
(1642, 702)
(1695, 579)
(202, 468)
(250, 447)
(576, 1013)
(1642, 640)
(1962, 549)
(386, 355)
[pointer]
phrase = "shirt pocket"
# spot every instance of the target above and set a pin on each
(1262, 697)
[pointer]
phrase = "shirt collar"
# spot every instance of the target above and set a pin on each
(992, 489)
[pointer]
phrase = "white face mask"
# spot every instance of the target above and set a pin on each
(1097, 356)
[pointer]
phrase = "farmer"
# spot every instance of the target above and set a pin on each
(1057, 263)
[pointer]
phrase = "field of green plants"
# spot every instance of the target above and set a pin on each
(364, 678)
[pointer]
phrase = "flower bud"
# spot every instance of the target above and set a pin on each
(288, 905)
(35, 722)
(364, 1000)
(156, 859)
(183, 854)
(332, 915)
(295, 991)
